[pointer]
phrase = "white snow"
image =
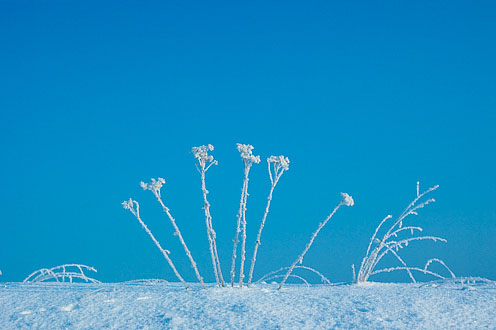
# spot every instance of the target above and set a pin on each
(447, 304)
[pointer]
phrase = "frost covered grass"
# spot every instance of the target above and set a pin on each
(394, 240)
(62, 273)
(444, 304)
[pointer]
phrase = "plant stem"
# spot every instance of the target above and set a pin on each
(238, 230)
(164, 252)
(259, 235)
(211, 232)
(309, 244)
(180, 236)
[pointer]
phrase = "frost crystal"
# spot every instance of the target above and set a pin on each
(246, 153)
(154, 186)
(201, 153)
(347, 199)
(280, 160)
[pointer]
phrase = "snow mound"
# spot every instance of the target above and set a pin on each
(466, 303)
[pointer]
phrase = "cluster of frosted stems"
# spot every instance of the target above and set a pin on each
(277, 165)
(391, 242)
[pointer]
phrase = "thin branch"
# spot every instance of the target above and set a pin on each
(133, 206)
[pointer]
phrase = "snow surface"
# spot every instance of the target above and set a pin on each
(153, 304)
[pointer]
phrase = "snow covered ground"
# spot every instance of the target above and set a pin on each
(448, 304)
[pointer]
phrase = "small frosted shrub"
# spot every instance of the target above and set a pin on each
(394, 240)
(133, 207)
(204, 162)
(62, 273)
(346, 200)
(248, 160)
(277, 165)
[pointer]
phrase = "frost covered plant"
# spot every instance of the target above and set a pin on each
(394, 240)
(204, 162)
(61, 273)
(155, 186)
(276, 165)
(346, 200)
(274, 274)
(248, 160)
(133, 207)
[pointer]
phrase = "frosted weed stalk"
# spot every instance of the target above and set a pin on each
(277, 164)
(133, 207)
(248, 160)
(204, 162)
(155, 186)
(346, 200)
(391, 243)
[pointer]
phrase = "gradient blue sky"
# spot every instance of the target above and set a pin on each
(363, 97)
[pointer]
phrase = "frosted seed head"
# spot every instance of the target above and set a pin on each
(347, 199)
(279, 160)
(246, 153)
(201, 153)
(153, 186)
(128, 205)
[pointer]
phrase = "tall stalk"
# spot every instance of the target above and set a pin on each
(205, 161)
(348, 201)
(248, 160)
(155, 187)
(280, 165)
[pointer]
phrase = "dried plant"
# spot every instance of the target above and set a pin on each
(270, 275)
(346, 200)
(277, 164)
(248, 160)
(61, 273)
(133, 206)
(394, 240)
(204, 162)
(155, 186)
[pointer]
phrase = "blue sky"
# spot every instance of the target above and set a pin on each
(363, 97)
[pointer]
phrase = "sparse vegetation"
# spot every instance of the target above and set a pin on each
(395, 239)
